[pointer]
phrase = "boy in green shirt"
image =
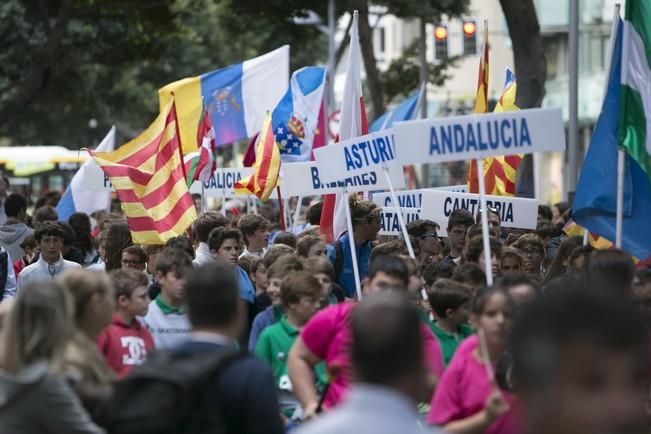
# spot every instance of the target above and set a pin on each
(450, 302)
(301, 296)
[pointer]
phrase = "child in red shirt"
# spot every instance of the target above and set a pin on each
(126, 342)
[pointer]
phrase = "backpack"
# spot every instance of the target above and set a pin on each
(171, 393)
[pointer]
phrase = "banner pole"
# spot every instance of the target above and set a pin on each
(351, 240)
(297, 212)
(398, 208)
(484, 223)
(619, 221)
(281, 210)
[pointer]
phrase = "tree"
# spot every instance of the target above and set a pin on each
(530, 69)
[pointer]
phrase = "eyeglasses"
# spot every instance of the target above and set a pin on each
(430, 235)
(532, 252)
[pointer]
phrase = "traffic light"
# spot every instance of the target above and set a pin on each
(441, 41)
(469, 37)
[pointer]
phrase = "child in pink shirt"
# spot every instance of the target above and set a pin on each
(466, 400)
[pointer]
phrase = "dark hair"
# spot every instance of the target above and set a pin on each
(643, 275)
(206, 306)
(561, 283)
(44, 214)
(610, 269)
(460, 217)
(314, 214)
(384, 351)
(174, 260)
(255, 264)
(470, 274)
(517, 279)
(244, 262)
(207, 222)
(135, 250)
(274, 252)
(474, 231)
(390, 265)
(447, 294)
(181, 242)
(126, 280)
(562, 207)
(484, 294)
(545, 212)
(297, 285)
(68, 234)
(14, 204)
(250, 223)
(390, 248)
(557, 268)
(28, 242)
(52, 229)
(305, 244)
(418, 228)
(475, 247)
(319, 264)
(362, 211)
(546, 229)
(284, 266)
(118, 238)
(578, 252)
(434, 271)
(219, 235)
(559, 318)
(489, 210)
(80, 224)
(286, 238)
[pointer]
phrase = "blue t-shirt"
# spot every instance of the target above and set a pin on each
(246, 287)
(346, 278)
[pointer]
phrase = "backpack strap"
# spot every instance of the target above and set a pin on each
(339, 259)
(4, 263)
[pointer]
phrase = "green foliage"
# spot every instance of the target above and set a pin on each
(403, 75)
(429, 9)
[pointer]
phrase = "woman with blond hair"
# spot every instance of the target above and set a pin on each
(34, 398)
(84, 365)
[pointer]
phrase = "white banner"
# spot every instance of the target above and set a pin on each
(355, 156)
(222, 182)
(479, 135)
(97, 181)
(514, 212)
(304, 179)
(390, 225)
(412, 198)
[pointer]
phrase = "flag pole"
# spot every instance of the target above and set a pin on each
(484, 222)
(281, 205)
(297, 212)
(398, 208)
(351, 241)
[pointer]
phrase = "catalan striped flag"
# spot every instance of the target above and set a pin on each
(266, 167)
(500, 172)
(149, 178)
(481, 106)
(571, 228)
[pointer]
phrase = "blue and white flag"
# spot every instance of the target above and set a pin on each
(405, 111)
(595, 203)
(77, 197)
(295, 119)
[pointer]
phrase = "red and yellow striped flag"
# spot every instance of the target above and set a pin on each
(481, 106)
(148, 176)
(266, 167)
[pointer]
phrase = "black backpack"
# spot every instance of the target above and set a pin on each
(171, 393)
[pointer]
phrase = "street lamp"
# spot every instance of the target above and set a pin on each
(313, 19)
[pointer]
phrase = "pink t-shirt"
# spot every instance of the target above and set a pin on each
(463, 391)
(328, 336)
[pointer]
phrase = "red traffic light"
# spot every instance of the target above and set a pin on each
(469, 28)
(440, 32)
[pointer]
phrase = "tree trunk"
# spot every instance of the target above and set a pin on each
(530, 71)
(366, 44)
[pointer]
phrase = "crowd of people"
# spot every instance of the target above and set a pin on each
(241, 327)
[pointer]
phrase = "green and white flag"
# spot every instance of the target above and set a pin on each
(635, 115)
